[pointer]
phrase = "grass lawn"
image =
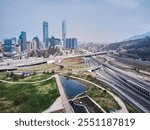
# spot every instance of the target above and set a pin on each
(27, 97)
(104, 99)
(35, 78)
(32, 78)
(4, 77)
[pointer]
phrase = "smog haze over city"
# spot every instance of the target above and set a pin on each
(89, 20)
(75, 56)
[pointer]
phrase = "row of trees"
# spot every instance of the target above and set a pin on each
(51, 50)
(47, 72)
(16, 77)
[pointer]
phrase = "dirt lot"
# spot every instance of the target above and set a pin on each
(72, 61)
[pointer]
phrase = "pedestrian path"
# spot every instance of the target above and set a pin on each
(65, 101)
(56, 106)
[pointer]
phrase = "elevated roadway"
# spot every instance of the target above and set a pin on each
(133, 90)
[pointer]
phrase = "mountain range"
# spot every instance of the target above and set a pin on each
(137, 48)
(139, 36)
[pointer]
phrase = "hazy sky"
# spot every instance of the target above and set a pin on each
(88, 20)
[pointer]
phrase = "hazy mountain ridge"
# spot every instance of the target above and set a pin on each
(139, 48)
(139, 36)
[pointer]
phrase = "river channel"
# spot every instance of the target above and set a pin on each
(73, 88)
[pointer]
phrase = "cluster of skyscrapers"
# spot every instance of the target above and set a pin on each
(11, 45)
(70, 43)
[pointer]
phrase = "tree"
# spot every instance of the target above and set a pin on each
(23, 75)
(15, 77)
(52, 72)
(44, 72)
(7, 75)
(89, 76)
(34, 73)
(11, 74)
(47, 72)
(61, 66)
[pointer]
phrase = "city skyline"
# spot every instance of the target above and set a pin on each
(89, 20)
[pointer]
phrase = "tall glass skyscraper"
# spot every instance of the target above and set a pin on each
(45, 33)
(23, 41)
(64, 33)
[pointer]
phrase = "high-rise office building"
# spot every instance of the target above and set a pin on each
(45, 33)
(9, 45)
(23, 41)
(71, 43)
(67, 43)
(64, 33)
(74, 43)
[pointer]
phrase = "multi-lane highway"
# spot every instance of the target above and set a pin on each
(133, 90)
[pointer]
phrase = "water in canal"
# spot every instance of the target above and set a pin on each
(78, 108)
(72, 87)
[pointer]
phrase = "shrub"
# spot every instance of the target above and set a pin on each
(11, 74)
(47, 72)
(61, 66)
(52, 72)
(34, 73)
(15, 77)
(20, 98)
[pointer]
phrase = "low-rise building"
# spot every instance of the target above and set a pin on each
(36, 43)
(1, 47)
(54, 41)
(18, 48)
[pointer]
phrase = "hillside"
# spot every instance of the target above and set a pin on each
(139, 36)
(139, 48)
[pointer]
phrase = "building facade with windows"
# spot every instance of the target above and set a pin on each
(71, 43)
(23, 41)
(64, 33)
(9, 45)
(45, 33)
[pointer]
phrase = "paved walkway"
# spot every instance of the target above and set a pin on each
(5, 81)
(63, 95)
(118, 100)
(56, 106)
